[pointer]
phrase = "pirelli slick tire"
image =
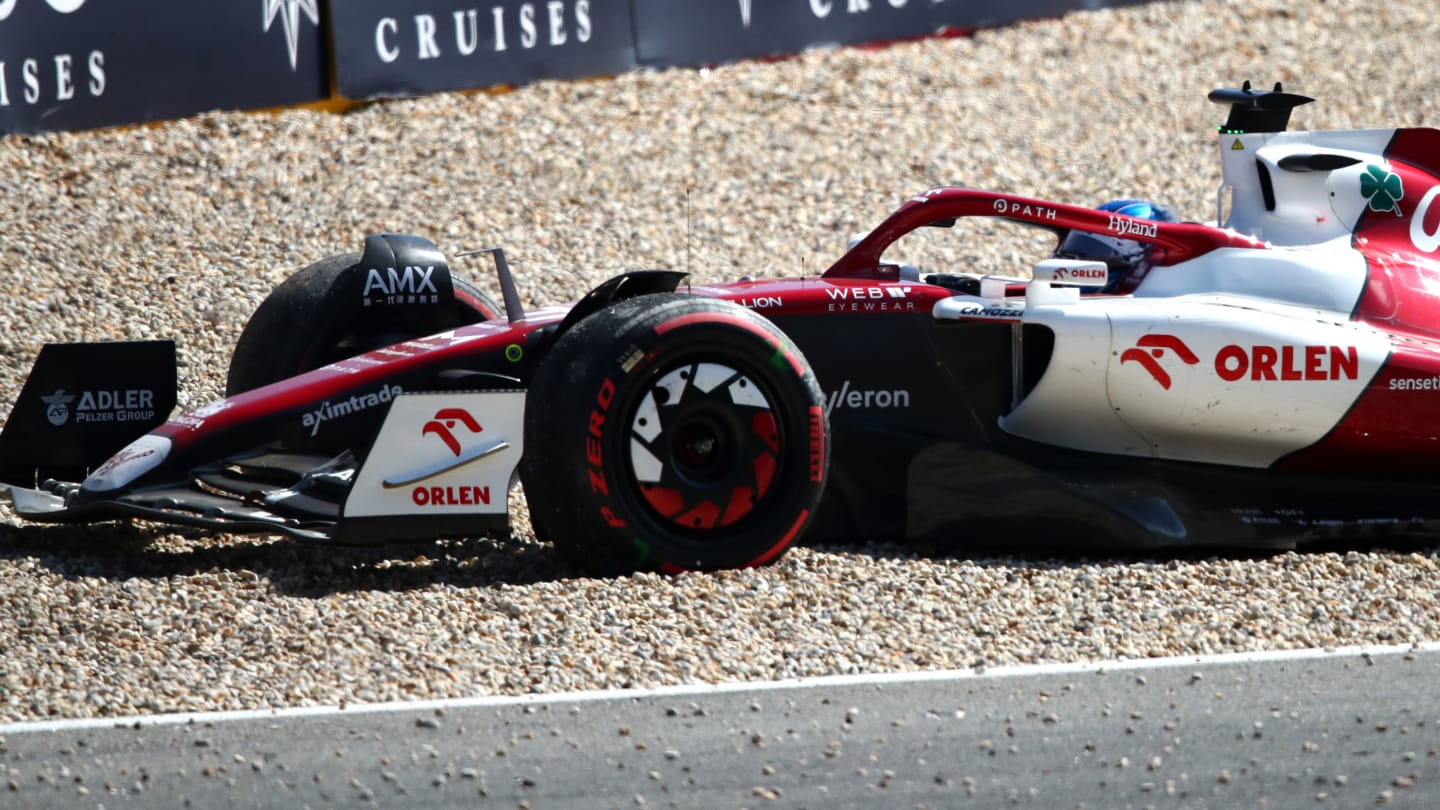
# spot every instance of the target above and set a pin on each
(673, 432)
(306, 323)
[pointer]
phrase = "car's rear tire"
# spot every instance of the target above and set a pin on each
(300, 326)
(673, 432)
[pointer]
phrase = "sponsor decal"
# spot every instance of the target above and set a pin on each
(514, 352)
(451, 496)
(554, 24)
(128, 456)
(289, 13)
(761, 302)
(1026, 210)
(196, 419)
(1258, 363)
(857, 398)
(444, 424)
(355, 404)
(409, 285)
(1000, 311)
(57, 407)
(1415, 383)
(869, 299)
(1287, 363)
(594, 455)
(131, 405)
(868, 292)
(1426, 239)
(1081, 274)
(817, 444)
(1129, 226)
(1381, 189)
(359, 361)
(1286, 517)
(871, 306)
(1150, 349)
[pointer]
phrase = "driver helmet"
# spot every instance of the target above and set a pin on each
(1120, 255)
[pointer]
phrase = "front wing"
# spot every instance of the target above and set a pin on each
(440, 466)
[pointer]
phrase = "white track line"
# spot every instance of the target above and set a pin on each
(701, 690)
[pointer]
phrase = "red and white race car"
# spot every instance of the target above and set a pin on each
(1262, 382)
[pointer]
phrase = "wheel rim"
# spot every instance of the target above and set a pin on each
(704, 445)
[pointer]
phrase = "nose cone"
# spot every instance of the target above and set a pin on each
(137, 458)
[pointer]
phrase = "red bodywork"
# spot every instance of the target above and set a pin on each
(1394, 427)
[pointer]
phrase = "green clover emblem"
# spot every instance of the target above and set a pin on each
(1382, 189)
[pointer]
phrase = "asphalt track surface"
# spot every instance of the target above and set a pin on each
(1355, 727)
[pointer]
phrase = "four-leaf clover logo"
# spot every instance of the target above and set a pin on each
(1381, 189)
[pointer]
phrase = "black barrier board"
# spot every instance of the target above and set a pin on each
(701, 32)
(401, 48)
(79, 64)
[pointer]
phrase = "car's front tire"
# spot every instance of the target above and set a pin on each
(673, 432)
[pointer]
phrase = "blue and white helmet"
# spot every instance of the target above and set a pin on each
(1120, 255)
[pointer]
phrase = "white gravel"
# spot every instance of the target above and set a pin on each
(178, 231)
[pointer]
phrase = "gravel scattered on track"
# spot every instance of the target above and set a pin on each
(178, 231)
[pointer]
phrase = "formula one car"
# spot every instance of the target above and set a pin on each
(1270, 380)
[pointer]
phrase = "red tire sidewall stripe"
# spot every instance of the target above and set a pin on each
(475, 304)
(784, 542)
(765, 557)
(729, 320)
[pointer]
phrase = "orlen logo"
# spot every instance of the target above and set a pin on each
(1150, 348)
(1259, 363)
(1081, 274)
(1287, 363)
(444, 423)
